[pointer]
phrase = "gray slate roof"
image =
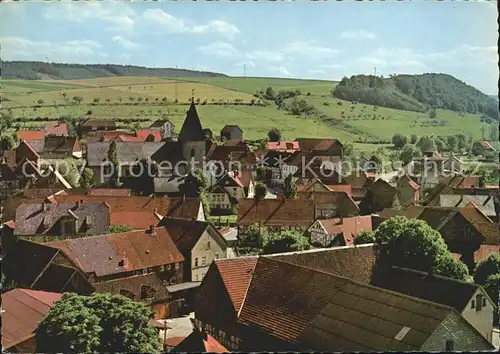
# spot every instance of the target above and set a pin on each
(32, 219)
(485, 203)
(128, 152)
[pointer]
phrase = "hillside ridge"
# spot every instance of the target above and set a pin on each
(418, 93)
(38, 70)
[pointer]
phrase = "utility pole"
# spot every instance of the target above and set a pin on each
(175, 86)
(375, 71)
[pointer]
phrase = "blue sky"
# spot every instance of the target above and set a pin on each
(324, 40)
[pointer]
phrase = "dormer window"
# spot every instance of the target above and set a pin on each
(68, 226)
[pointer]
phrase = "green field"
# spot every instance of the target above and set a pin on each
(141, 97)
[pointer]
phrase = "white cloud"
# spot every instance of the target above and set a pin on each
(309, 49)
(18, 48)
(219, 49)
(266, 55)
(317, 72)
(167, 21)
(125, 43)
(173, 24)
(281, 70)
(226, 29)
(119, 16)
(358, 34)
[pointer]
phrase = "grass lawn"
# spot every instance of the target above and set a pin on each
(344, 120)
(252, 84)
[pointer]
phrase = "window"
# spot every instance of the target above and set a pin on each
(169, 266)
(203, 260)
(484, 301)
(197, 277)
(196, 262)
(208, 245)
(176, 266)
(478, 303)
(472, 304)
(216, 256)
(162, 268)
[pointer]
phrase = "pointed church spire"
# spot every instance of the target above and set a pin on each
(191, 129)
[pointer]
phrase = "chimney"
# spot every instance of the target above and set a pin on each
(123, 263)
(44, 206)
(77, 204)
(151, 229)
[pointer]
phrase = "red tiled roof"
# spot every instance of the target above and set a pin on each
(275, 211)
(145, 133)
(282, 145)
(486, 145)
(341, 188)
(60, 129)
(198, 342)
(115, 192)
(236, 274)
(22, 310)
(139, 212)
(30, 135)
(349, 227)
(173, 341)
(27, 144)
(102, 254)
(484, 251)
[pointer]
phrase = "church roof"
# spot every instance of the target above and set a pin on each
(191, 129)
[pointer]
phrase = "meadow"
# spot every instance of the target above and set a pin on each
(154, 97)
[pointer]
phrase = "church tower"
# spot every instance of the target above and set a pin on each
(191, 137)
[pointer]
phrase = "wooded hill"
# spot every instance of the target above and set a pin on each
(35, 70)
(417, 93)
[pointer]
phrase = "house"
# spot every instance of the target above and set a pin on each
(251, 311)
(463, 229)
(276, 214)
(231, 132)
(129, 153)
(429, 168)
(61, 147)
(46, 269)
(325, 168)
(484, 145)
(199, 342)
(199, 242)
(91, 126)
(359, 181)
(10, 182)
(330, 204)
(407, 190)
(225, 194)
(22, 310)
(45, 222)
(136, 264)
(338, 231)
(485, 203)
(24, 151)
(468, 299)
(164, 126)
(56, 129)
(379, 195)
(284, 146)
(30, 135)
(277, 167)
(453, 164)
(321, 147)
(139, 136)
(140, 212)
(318, 186)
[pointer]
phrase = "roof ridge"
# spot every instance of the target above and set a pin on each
(416, 271)
(368, 285)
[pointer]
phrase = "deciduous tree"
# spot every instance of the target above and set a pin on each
(97, 323)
